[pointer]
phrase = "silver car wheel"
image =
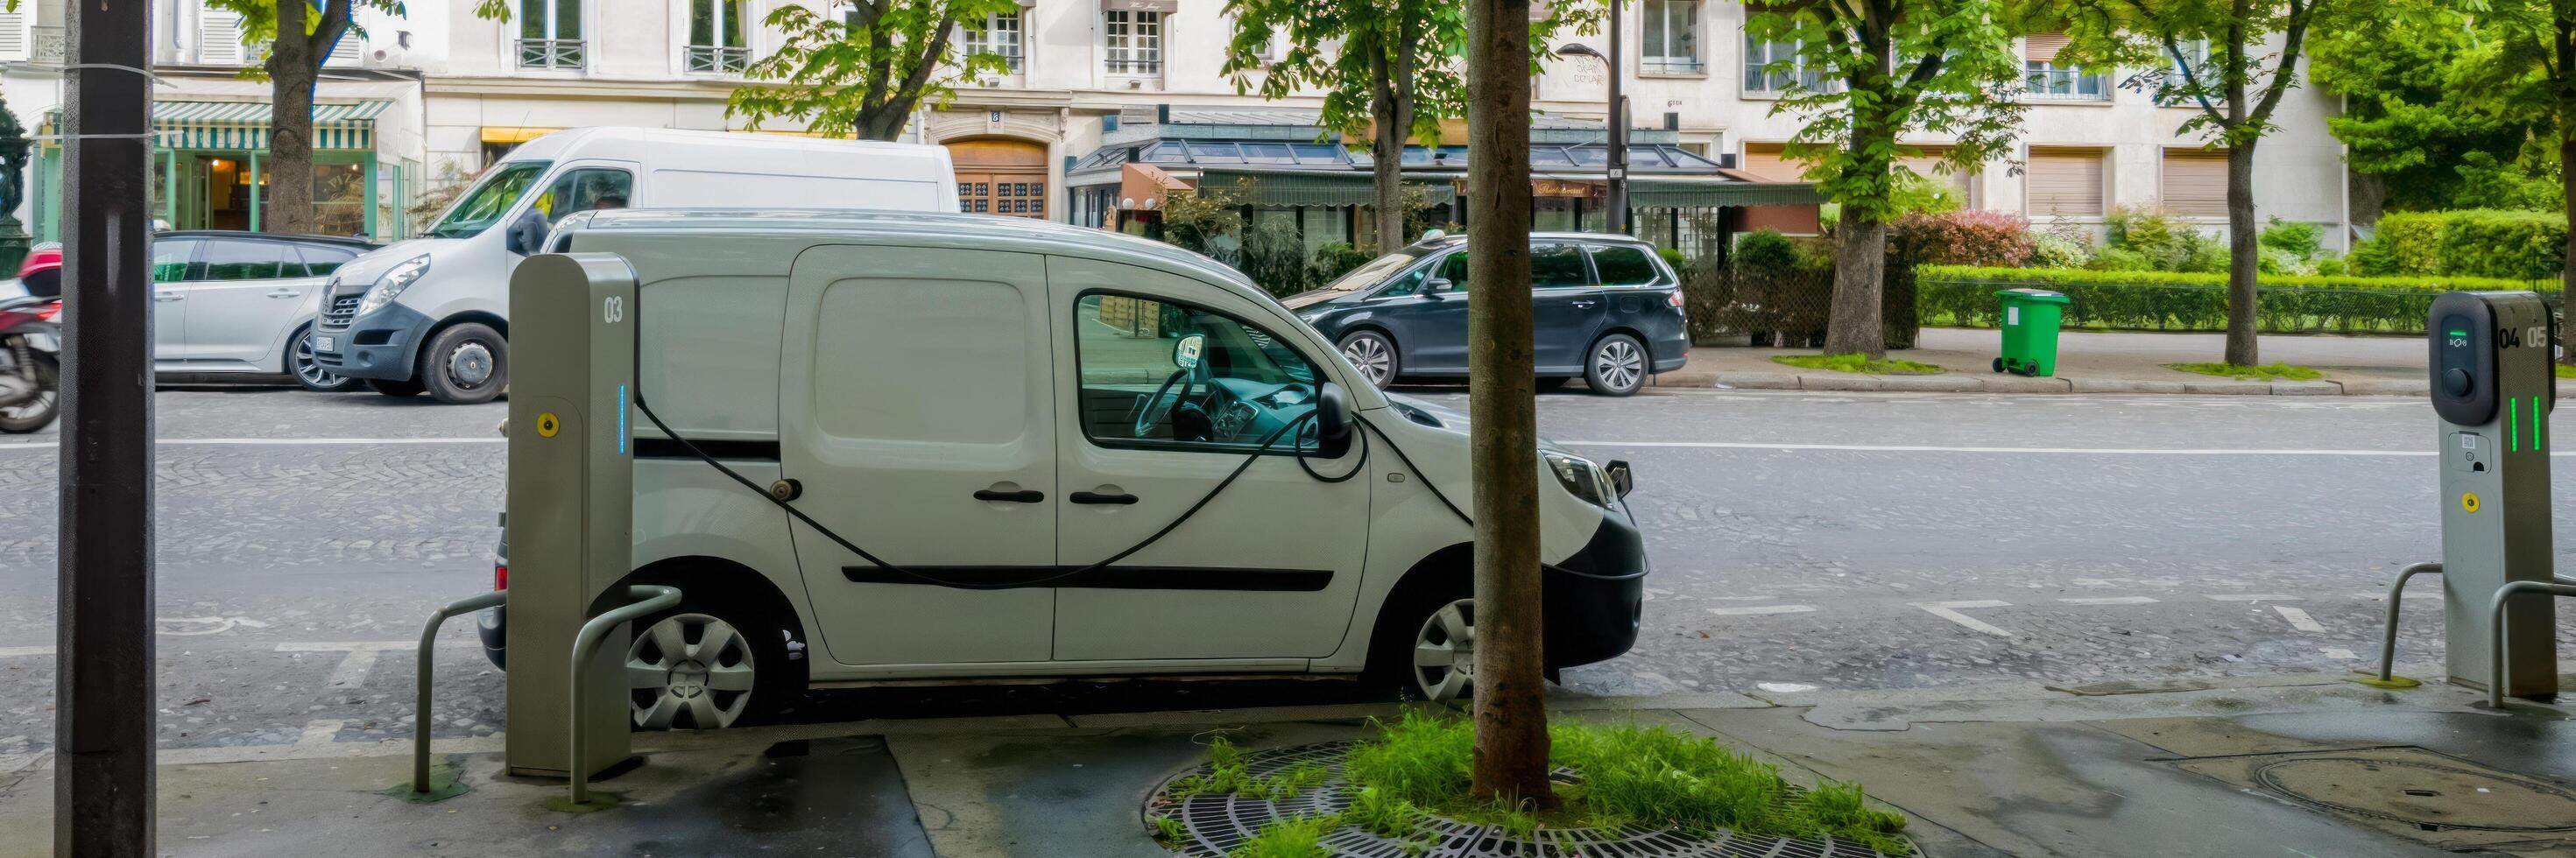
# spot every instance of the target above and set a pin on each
(689, 664)
(1618, 363)
(1371, 356)
(306, 367)
(1444, 652)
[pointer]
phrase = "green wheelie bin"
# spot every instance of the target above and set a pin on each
(2030, 331)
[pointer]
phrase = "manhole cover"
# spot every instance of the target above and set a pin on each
(1215, 825)
(2429, 796)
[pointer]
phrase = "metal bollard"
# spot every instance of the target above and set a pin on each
(650, 598)
(420, 702)
(2388, 641)
(2495, 630)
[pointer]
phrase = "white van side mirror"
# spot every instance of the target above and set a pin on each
(1332, 421)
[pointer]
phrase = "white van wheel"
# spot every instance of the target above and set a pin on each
(1444, 652)
(692, 670)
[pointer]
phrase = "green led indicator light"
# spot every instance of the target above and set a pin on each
(2459, 333)
(2513, 424)
(2536, 411)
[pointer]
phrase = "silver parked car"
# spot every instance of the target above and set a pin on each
(243, 302)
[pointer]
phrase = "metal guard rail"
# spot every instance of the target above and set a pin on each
(648, 599)
(420, 702)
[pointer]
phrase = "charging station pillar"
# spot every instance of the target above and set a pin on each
(2493, 387)
(571, 503)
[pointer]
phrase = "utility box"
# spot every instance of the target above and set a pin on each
(2493, 388)
(572, 498)
(2030, 319)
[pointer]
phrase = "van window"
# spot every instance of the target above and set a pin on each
(484, 204)
(319, 260)
(1408, 283)
(1624, 266)
(1557, 266)
(1454, 270)
(1245, 384)
(585, 189)
(170, 259)
(228, 259)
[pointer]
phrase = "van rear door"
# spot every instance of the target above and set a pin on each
(917, 410)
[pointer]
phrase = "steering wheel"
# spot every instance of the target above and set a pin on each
(1157, 407)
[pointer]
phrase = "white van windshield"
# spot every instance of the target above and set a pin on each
(482, 205)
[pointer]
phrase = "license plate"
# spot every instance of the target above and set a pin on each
(325, 344)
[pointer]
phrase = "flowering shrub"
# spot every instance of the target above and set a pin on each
(1966, 237)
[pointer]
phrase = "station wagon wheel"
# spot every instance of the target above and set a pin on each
(1444, 652)
(691, 670)
(1616, 366)
(1373, 355)
(309, 372)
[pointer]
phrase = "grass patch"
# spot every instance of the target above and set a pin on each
(1857, 364)
(2267, 372)
(2563, 370)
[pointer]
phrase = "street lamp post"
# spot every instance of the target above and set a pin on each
(1617, 197)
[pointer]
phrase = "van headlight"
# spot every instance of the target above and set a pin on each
(1582, 478)
(392, 283)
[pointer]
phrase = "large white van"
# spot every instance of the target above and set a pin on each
(993, 407)
(432, 314)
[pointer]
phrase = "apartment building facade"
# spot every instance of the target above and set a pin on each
(441, 93)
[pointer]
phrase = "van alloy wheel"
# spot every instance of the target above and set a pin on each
(691, 667)
(1444, 652)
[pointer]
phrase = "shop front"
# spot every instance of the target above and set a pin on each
(208, 170)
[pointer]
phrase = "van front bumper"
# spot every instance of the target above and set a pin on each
(1593, 602)
(381, 345)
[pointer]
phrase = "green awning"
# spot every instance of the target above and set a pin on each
(244, 124)
(1311, 189)
(1709, 195)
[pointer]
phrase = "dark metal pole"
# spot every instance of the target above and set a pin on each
(103, 776)
(1617, 216)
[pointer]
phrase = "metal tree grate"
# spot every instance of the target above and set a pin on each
(1215, 825)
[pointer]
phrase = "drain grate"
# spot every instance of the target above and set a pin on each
(2429, 796)
(1215, 825)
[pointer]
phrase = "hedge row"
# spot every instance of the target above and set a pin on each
(2465, 243)
(2170, 301)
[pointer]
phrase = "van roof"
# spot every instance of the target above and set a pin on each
(923, 229)
(618, 141)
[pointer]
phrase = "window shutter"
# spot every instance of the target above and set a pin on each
(219, 37)
(2043, 47)
(348, 52)
(1766, 161)
(2065, 182)
(13, 34)
(1928, 164)
(2195, 182)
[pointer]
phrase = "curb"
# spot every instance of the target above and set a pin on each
(1963, 382)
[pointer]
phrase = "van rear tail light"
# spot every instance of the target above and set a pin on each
(50, 311)
(1675, 299)
(500, 576)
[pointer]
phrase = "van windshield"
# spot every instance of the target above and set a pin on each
(484, 204)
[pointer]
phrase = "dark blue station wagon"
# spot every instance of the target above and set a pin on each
(1608, 311)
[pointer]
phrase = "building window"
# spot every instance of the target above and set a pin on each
(1761, 75)
(1018, 197)
(550, 34)
(1135, 42)
(715, 38)
(2064, 182)
(2194, 182)
(2054, 82)
(1000, 37)
(1276, 48)
(219, 38)
(1672, 36)
(2177, 89)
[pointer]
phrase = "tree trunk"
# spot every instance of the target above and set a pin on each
(2244, 255)
(1386, 174)
(884, 123)
(1860, 273)
(2567, 193)
(293, 66)
(1511, 717)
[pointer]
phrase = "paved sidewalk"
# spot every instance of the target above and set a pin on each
(2088, 362)
(2185, 768)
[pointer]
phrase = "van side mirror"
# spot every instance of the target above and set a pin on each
(522, 236)
(1332, 421)
(1622, 478)
(1433, 287)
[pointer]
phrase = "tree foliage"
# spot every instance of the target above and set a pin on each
(866, 70)
(2451, 103)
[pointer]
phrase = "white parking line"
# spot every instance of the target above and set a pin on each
(8, 651)
(2066, 451)
(1761, 609)
(2248, 597)
(352, 672)
(1949, 611)
(2111, 600)
(2299, 619)
(318, 732)
(2340, 654)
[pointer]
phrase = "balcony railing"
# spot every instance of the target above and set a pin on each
(1773, 82)
(716, 59)
(550, 53)
(1136, 68)
(1673, 65)
(2067, 85)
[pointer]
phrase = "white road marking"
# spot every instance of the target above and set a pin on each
(2249, 597)
(2340, 654)
(2299, 619)
(1741, 598)
(318, 732)
(2111, 600)
(212, 625)
(8, 651)
(1949, 611)
(2065, 451)
(2426, 593)
(1784, 687)
(1749, 610)
(279, 442)
(352, 672)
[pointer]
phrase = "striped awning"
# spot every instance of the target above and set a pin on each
(1689, 194)
(1285, 188)
(244, 125)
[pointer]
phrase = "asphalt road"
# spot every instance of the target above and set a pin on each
(1837, 541)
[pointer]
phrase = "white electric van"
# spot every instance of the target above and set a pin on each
(994, 406)
(432, 314)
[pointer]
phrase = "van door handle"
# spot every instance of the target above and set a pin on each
(1021, 496)
(285, 293)
(167, 297)
(1585, 303)
(1120, 499)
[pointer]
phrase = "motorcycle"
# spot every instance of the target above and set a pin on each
(30, 363)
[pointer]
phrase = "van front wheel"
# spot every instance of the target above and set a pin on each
(466, 364)
(1426, 646)
(704, 667)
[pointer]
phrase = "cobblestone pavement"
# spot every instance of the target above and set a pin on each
(1841, 542)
